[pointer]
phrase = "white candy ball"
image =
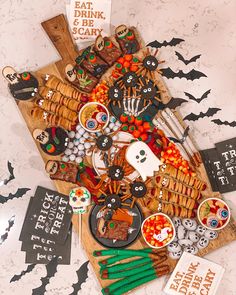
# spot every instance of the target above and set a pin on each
(87, 145)
(72, 158)
(81, 153)
(78, 135)
(78, 127)
(112, 119)
(82, 140)
(107, 130)
(78, 160)
(111, 125)
(86, 135)
(68, 152)
(75, 150)
(81, 131)
(76, 141)
(70, 145)
(115, 128)
(118, 123)
(81, 147)
(65, 159)
(71, 134)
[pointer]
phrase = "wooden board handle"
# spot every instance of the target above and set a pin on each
(58, 31)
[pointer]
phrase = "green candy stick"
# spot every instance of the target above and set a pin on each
(121, 284)
(124, 252)
(130, 272)
(133, 263)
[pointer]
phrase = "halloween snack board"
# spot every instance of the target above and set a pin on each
(166, 188)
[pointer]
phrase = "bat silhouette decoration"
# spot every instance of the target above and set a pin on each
(226, 123)
(82, 274)
(174, 103)
(172, 42)
(51, 269)
(186, 61)
(192, 75)
(198, 100)
(181, 140)
(11, 177)
(19, 193)
(10, 225)
(209, 113)
(29, 268)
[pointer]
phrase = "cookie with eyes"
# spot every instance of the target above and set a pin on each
(130, 79)
(22, 86)
(116, 172)
(150, 62)
(115, 93)
(148, 91)
(104, 142)
(138, 189)
(112, 202)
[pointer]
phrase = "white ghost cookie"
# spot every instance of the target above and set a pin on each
(174, 247)
(141, 157)
(189, 224)
(211, 234)
(202, 243)
(175, 255)
(191, 249)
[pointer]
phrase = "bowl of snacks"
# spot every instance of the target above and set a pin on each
(213, 213)
(93, 116)
(158, 230)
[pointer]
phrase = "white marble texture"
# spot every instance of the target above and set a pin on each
(209, 29)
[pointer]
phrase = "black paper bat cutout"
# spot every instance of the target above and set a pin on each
(20, 193)
(226, 123)
(82, 274)
(29, 268)
(186, 61)
(192, 75)
(174, 103)
(181, 140)
(12, 176)
(198, 100)
(51, 268)
(10, 225)
(172, 42)
(209, 113)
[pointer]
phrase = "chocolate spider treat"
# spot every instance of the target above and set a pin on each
(107, 50)
(127, 39)
(80, 78)
(53, 141)
(22, 86)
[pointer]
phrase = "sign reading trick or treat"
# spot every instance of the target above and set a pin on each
(88, 19)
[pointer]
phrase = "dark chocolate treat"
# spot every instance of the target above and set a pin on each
(94, 64)
(130, 79)
(80, 78)
(113, 202)
(148, 91)
(115, 93)
(138, 189)
(104, 142)
(22, 86)
(113, 230)
(53, 141)
(106, 49)
(127, 40)
(150, 62)
(116, 172)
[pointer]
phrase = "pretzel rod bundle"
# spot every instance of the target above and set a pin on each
(160, 124)
(53, 120)
(65, 89)
(172, 197)
(57, 109)
(163, 181)
(154, 204)
(57, 97)
(184, 178)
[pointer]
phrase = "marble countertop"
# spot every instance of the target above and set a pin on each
(208, 28)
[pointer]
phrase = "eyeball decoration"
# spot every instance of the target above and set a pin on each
(79, 199)
(94, 117)
(213, 213)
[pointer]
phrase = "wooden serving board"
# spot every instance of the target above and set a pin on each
(59, 34)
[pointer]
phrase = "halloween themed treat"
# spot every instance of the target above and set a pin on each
(53, 141)
(127, 39)
(213, 213)
(22, 86)
(80, 78)
(158, 230)
(93, 116)
(107, 50)
(80, 199)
